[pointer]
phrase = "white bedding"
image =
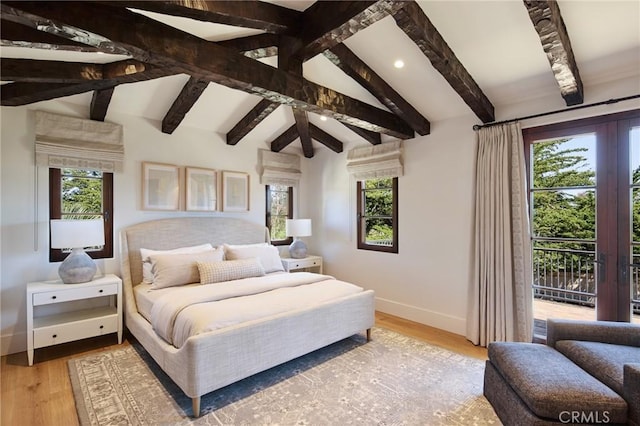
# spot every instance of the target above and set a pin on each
(190, 310)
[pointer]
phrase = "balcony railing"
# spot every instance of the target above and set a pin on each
(566, 275)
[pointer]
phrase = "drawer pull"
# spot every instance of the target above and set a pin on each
(54, 336)
(101, 327)
(100, 291)
(54, 297)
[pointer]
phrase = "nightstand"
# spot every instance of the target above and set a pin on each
(309, 262)
(54, 315)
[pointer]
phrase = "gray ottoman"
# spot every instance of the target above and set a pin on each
(533, 384)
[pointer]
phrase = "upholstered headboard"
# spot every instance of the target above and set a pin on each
(164, 234)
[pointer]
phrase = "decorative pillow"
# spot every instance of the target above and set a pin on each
(229, 270)
(269, 255)
(170, 270)
(147, 275)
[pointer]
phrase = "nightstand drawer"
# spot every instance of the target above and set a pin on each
(61, 333)
(304, 263)
(65, 295)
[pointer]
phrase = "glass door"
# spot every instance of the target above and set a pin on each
(584, 183)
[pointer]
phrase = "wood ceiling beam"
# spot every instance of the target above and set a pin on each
(548, 22)
(302, 128)
(355, 68)
(372, 137)
(248, 14)
(19, 93)
(100, 104)
(164, 46)
(187, 98)
(38, 71)
(15, 35)
(255, 47)
(251, 120)
(325, 138)
(413, 21)
(327, 23)
(282, 141)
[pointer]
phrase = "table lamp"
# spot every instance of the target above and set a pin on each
(78, 267)
(297, 228)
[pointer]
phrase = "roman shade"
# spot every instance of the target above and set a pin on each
(279, 169)
(70, 142)
(376, 161)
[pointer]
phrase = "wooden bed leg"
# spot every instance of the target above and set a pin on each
(368, 334)
(195, 404)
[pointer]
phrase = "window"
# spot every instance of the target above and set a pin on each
(279, 209)
(82, 194)
(378, 214)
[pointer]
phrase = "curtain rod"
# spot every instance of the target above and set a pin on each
(542, 114)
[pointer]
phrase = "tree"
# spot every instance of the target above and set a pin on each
(378, 209)
(81, 193)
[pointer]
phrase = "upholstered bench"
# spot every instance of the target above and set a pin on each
(533, 384)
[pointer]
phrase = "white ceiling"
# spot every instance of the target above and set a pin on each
(494, 40)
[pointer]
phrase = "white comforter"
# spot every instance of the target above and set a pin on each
(188, 311)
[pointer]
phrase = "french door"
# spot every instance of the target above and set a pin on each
(584, 187)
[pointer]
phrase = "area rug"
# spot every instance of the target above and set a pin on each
(391, 380)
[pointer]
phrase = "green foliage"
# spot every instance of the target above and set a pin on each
(279, 210)
(81, 191)
(378, 209)
(562, 213)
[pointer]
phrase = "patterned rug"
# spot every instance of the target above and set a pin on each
(391, 380)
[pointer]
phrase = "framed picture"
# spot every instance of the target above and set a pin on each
(235, 192)
(202, 189)
(160, 186)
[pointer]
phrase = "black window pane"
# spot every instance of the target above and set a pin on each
(379, 232)
(378, 202)
(81, 195)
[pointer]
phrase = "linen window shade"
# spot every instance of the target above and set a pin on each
(70, 142)
(377, 161)
(279, 169)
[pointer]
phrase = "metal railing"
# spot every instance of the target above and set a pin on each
(569, 276)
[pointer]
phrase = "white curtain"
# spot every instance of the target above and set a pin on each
(277, 168)
(500, 294)
(63, 141)
(376, 161)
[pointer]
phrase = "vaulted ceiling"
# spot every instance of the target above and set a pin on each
(317, 73)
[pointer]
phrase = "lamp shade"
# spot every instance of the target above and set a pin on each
(76, 233)
(298, 227)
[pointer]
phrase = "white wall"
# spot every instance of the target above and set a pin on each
(426, 281)
(24, 236)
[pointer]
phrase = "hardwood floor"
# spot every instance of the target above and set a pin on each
(41, 395)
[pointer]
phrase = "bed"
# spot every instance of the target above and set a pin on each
(219, 355)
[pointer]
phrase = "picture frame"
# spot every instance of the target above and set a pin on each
(201, 189)
(160, 186)
(235, 191)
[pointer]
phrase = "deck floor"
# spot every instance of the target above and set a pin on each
(543, 309)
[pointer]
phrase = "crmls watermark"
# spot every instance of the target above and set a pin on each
(584, 417)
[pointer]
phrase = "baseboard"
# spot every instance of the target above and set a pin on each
(13, 343)
(424, 316)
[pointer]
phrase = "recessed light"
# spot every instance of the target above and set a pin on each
(399, 63)
(323, 118)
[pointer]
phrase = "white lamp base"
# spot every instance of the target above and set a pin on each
(298, 249)
(77, 268)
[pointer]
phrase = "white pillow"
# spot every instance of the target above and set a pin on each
(170, 270)
(229, 270)
(147, 275)
(269, 255)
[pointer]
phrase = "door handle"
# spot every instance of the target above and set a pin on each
(624, 269)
